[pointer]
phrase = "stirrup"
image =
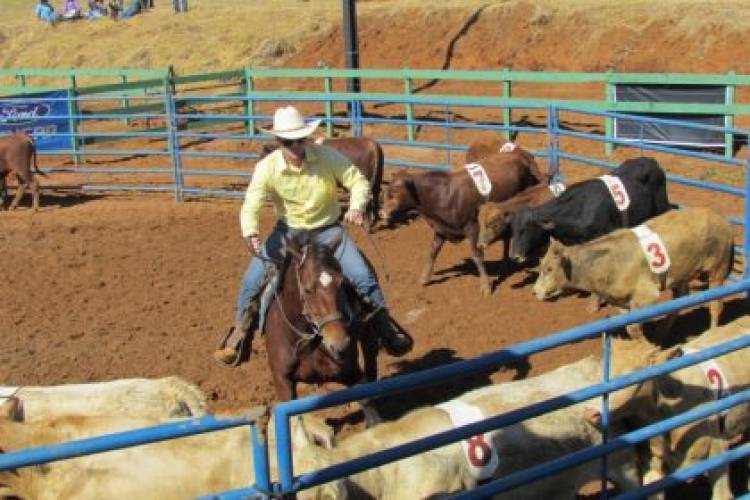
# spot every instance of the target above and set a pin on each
(239, 349)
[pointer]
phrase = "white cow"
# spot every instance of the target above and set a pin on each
(163, 397)
(447, 470)
(176, 469)
(683, 390)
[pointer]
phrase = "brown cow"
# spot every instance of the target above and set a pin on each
(16, 152)
(494, 218)
(366, 154)
(697, 241)
(449, 202)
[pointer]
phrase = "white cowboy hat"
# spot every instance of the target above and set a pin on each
(289, 124)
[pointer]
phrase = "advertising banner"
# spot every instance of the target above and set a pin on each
(44, 116)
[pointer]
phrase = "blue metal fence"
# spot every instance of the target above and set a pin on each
(172, 141)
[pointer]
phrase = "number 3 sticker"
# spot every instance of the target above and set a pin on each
(656, 253)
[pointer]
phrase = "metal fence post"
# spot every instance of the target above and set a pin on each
(126, 102)
(746, 236)
(607, 361)
(552, 141)
(409, 110)
(174, 140)
(507, 117)
(328, 88)
(729, 119)
(73, 111)
(609, 93)
(248, 85)
(260, 458)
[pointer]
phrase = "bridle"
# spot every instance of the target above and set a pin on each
(316, 324)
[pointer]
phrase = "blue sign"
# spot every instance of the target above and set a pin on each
(44, 116)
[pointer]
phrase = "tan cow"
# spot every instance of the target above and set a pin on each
(680, 391)
(177, 469)
(141, 397)
(16, 152)
(447, 470)
(697, 241)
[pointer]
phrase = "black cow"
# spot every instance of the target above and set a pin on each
(586, 210)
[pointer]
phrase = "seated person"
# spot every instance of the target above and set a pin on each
(71, 10)
(114, 10)
(97, 9)
(46, 12)
(134, 8)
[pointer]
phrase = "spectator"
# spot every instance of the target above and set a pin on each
(134, 8)
(114, 9)
(71, 10)
(97, 9)
(46, 12)
(180, 5)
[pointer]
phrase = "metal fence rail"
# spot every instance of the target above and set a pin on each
(181, 115)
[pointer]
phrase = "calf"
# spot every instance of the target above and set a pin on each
(449, 202)
(697, 241)
(367, 155)
(163, 397)
(589, 209)
(444, 471)
(680, 391)
(494, 218)
(16, 152)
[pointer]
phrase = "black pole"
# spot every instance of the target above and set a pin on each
(351, 45)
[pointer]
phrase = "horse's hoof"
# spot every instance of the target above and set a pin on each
(485, 290)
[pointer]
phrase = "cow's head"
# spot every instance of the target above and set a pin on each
(554, 272)
(494, 223)
(309, 455)
(529, 234)
(400, 196)
(641, 401)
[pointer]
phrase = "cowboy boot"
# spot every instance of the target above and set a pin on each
(394, 339)
(239, 337)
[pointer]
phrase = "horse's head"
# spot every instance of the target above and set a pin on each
(321, 286)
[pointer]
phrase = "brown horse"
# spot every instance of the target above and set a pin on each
(309, 334)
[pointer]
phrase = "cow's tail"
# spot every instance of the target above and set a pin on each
(32, 145)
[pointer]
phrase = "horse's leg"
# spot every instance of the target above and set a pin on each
(437, 244)
(472, 233)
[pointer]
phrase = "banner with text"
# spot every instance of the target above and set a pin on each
(44, 116)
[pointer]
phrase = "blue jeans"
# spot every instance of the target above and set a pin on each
(353, 266)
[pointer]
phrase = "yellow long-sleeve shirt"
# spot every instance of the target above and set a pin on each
(304, 198)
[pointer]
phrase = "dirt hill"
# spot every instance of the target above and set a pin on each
(570, 35)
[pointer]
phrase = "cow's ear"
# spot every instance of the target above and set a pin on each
(658, 356)
(299, 433)
(566, 266)
(547, 225)
(12, 409)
